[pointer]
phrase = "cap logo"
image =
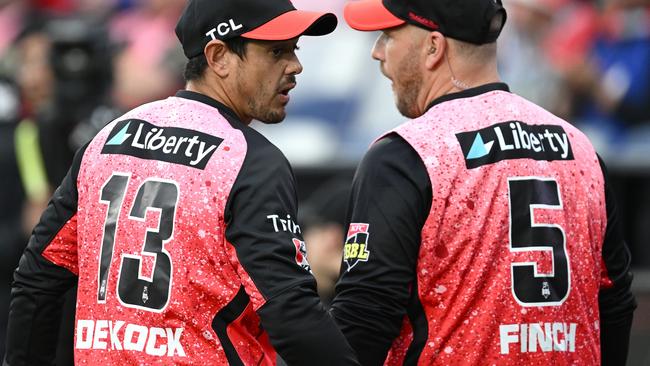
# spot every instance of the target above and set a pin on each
(223, 29)
(424, 21)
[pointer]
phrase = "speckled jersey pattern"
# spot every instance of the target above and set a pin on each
(465, 266)
(205, 275)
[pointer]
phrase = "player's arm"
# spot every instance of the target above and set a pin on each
(261, 225)
(392, 194)
(616, 301)
(47, 269)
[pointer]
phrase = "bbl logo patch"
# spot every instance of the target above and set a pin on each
(301, 254)
(356, 245)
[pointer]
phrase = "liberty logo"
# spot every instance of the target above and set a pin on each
(479, 148)
(514, 140)
(144, 140)
(121, 136)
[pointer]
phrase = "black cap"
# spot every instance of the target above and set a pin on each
(205, 20)
(464, 20)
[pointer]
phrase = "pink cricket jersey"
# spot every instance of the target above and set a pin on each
(510, 264)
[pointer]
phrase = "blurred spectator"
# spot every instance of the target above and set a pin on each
(12, 197)
(10, 17)
(524, 64)
(58, 7)
(611, 85)
(35, 81)
(149, 66)
(575, 26)
(35, 76)
(322, 218)
(66, 77)
(97, 9)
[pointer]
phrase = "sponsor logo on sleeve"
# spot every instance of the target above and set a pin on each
(144, 140)
(356, 245)
(301, 254)
(514, 140)
(284, 225)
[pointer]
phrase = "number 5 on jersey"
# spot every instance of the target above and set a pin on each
(134, 290)
(529, 287)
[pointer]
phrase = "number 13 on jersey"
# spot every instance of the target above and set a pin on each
(133, 289)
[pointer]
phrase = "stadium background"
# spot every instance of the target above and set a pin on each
(69, 66)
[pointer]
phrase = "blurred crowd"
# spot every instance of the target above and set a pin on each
(67, 67)
(586, 62)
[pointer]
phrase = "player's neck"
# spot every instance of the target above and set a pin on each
(448, 81)
(217, 93)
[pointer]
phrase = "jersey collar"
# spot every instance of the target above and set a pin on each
(227, 112)
(468, 93)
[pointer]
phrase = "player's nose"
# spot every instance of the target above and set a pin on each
(378, 49)
(295, 67)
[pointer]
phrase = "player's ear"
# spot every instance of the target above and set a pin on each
(435, 46)
(218, 57)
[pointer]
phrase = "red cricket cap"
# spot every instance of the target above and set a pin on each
(370, 15)
(293, 24)
(472, 21)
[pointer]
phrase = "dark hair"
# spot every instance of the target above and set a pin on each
(196, 65)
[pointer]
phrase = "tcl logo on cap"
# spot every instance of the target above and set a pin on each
(224, 28)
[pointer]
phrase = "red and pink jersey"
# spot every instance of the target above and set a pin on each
(162, 225)
(510, 254)
(506, 264)
(179, 221)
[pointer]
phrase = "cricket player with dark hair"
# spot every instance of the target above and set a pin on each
(483, 231)
(178, 221)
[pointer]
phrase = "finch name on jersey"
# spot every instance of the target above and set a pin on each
(121, 336)
(536, 337)
(514, 140)
(144, 140)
